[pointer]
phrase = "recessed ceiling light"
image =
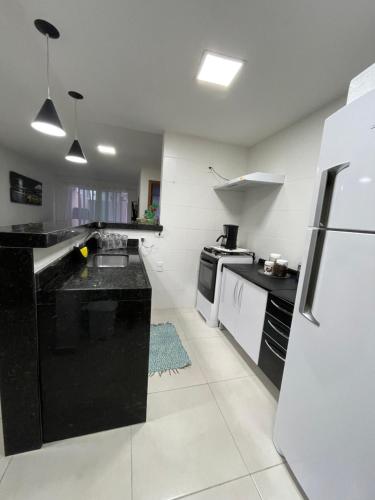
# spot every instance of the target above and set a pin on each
(106, 150)
(218, 69)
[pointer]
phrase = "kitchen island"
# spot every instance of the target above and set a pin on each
(74, 339)
(94, 330)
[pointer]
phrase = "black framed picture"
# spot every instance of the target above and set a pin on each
(25, 190)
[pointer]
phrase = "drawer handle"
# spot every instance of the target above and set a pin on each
(274, 352)
(240, 296)
(277, 330)
(281, 308)
(235, 293)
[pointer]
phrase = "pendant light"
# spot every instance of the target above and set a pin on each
(76, 154)
(47, 120)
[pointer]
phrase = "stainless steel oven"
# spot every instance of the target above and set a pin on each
(207, 275)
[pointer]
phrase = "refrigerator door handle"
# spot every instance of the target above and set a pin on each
(311, 275)
(326, 188)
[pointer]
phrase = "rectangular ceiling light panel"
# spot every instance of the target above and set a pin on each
(106, 150)
(218, 69)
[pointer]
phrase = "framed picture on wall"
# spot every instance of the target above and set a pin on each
(25, 190)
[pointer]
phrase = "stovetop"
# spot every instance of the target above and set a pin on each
(225, 251)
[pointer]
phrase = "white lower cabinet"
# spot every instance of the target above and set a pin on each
(228, 309)
(241, 311)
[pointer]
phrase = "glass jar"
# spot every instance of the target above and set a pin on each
(280, 268)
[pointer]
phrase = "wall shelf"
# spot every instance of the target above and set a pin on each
(250, 180)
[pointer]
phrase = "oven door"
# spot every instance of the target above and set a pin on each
(207, 276)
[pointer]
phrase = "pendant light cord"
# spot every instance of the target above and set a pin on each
(75, 120)
(48, 86)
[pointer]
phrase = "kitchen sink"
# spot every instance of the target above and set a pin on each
(108, 260)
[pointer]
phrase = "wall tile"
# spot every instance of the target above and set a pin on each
(275, 219)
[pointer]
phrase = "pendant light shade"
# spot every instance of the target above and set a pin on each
(47, 120)
(76, 154)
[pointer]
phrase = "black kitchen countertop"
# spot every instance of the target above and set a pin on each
(133, 276)
(105, 283)
(47, 234)
(250, 273)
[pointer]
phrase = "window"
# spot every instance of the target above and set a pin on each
(98, 204)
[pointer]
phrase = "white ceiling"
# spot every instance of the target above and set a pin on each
(135, 61)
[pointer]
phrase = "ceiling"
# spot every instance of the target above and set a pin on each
(136, 60)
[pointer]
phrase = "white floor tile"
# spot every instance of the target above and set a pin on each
(219, 360)
(186, 377)
(240, 489)
(183, 447)
(277, 484)
(163, 314)
(4, 461)
(196, 328)
(249, 411)
(91, 467)
(189, 314)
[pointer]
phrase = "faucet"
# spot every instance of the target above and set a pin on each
(98, 235)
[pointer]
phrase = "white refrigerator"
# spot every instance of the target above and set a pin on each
(325, 422)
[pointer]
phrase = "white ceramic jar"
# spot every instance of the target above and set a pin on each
(274, 256)
(268, 267)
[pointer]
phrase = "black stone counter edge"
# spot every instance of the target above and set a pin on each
(45, 239)
(144, 268)
(157, 228)
(273, 285)
(287, 295)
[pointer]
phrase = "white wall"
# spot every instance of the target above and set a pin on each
(151, 173)
(274, 219)
(43, 257)
(18, 213)
(192, 213)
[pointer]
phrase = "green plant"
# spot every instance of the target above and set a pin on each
(150, 213)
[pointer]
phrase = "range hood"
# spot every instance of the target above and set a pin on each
(250, 180)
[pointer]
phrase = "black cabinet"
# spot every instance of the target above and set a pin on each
(271, 360)
(276, 329)
(93, 364)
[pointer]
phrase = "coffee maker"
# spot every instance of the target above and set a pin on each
(229, 238)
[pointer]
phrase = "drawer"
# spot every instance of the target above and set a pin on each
(277, 330)
(271, 360)
(280, 309)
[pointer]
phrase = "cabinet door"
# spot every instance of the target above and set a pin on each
(252, 303)
(228, 308)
